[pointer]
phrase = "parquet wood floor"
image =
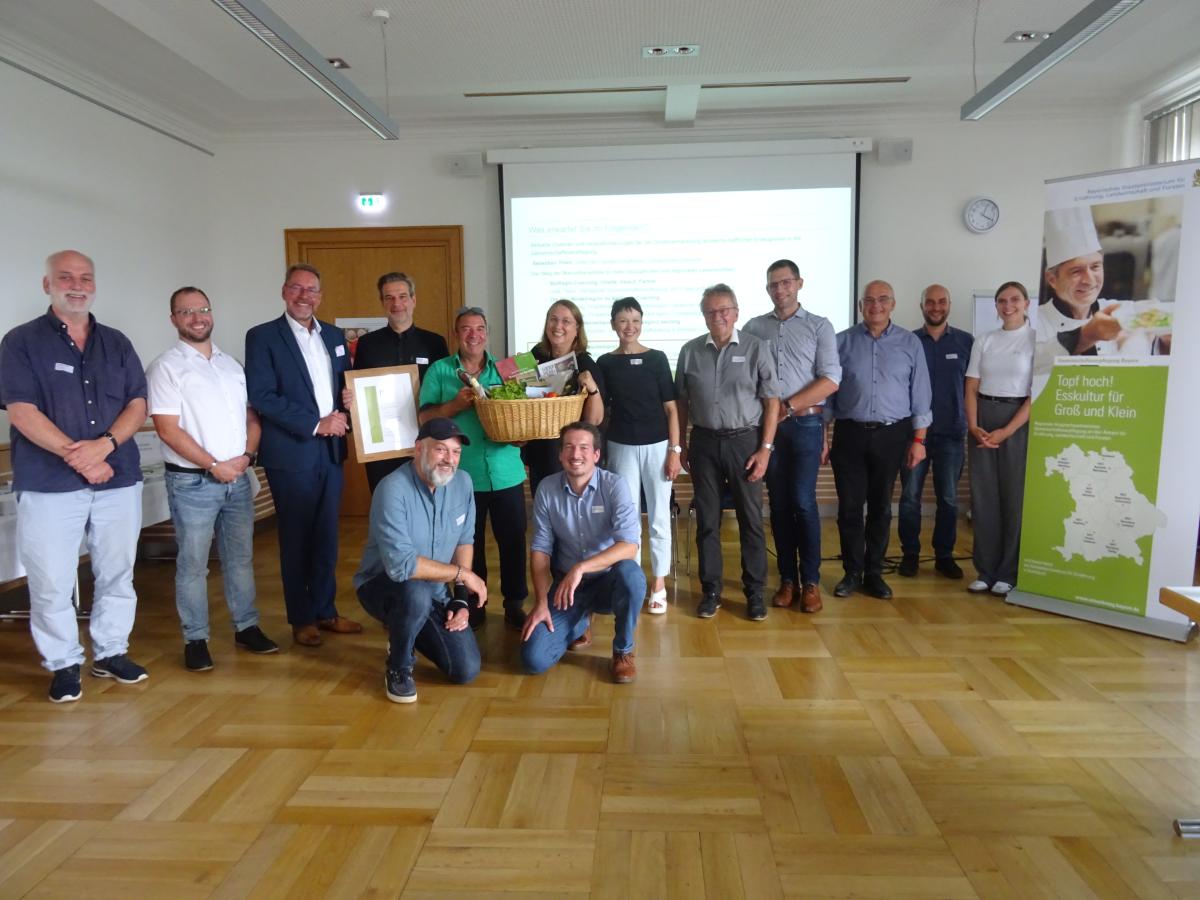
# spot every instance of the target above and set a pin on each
(941, 745)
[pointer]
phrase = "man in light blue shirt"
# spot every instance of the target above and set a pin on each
(421, 537)
(584, 558)
(882, 410)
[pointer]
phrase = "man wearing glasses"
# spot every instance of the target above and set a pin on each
(210, 440)
(725, 381)
(883, 409)
(804, 351)
(295, 368)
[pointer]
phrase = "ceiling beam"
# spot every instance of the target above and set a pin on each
(682, 102)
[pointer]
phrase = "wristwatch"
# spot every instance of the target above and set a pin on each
(766, 445)
(253, 457)
(109, 435)
(675, 448)
(918, 440)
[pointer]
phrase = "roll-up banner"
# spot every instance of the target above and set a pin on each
(1112, 481)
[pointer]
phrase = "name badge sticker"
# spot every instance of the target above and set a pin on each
(951, 356)
(738, 359)
(635, 362)
(64, 367)
(460, 519)
(339, 350)
(422, 360)
(597, 509)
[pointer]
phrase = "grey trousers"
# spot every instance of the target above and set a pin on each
(997, 492)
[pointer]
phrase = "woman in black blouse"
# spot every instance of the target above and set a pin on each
(643, 432)
(563, 333)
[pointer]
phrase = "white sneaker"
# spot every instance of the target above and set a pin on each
(1001, 588)
(657, 604)
(978, 586)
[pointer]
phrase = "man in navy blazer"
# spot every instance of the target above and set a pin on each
(295, 369)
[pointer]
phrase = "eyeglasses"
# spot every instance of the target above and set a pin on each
(781, 283)
(193, 311)
(877, 301)
(300, 289)
(721, 311)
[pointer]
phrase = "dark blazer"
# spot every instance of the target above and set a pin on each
(279, 387)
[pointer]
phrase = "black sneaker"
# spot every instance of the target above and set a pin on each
(908, 566)
(948, 567)
(65, 686)
(196, 657)
(756, 609)
(514, 617)
(476, 615)
(120, 667)
(708, 606)
(255, 641)
(400, 686)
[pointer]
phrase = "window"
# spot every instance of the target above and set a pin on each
(1173, 133)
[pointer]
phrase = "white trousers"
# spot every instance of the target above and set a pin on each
(641, 465)
(50, 529)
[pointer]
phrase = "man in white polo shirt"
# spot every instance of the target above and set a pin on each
(210, 437)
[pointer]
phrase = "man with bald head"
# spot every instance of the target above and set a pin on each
(947, 350)
(75, 394)
(881, 412)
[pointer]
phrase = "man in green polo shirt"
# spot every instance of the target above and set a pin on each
(495, 469)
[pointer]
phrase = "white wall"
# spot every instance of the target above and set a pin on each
(73, 175)
(156, 214)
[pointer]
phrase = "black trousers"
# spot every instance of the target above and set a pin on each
(866, 461)
(507, 510)
(718, 464)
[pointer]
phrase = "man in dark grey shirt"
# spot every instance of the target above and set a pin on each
(725, 381)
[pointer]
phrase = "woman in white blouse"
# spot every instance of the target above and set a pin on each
(998, 381)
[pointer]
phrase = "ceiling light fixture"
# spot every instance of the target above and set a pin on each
(665, 51)
(1082, 27)
(1027, 37)
(337, 62)
(257, 18)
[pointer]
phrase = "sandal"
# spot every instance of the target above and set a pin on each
(657, 604)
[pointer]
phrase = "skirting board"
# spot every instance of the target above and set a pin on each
(1174, 631)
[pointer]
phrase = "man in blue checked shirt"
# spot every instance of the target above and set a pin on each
(584, 558)
(882, 410)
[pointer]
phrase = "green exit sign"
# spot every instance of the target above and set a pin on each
(372, 203)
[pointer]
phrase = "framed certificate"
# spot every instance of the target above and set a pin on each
(383, 415)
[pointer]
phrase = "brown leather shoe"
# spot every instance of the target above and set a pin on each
(584, 640)
(306, 635)
(339, 625)
(624, 670)
(810, 598)
(785, 596)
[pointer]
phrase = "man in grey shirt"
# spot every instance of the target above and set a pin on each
(807, 369)
(883, 408)
(725, 382)
(583, 558)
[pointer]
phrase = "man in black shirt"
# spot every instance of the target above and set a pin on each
(401, 343)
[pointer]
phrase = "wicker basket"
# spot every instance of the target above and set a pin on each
(528, 420)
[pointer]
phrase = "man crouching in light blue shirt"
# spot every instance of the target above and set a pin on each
(584, 558)
(422, 536)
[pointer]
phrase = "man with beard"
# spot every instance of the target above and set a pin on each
(210, 440)
(947, 351)
(76, 394)
(421, 537)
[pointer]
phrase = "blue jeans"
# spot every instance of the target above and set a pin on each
(792, 487)
(416, 621)
(618, 591)
(946, 455)
(201, 505)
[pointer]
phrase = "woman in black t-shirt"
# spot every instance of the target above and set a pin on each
(643, 432)
(563, 333)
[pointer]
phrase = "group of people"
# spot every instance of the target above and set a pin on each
(744, 407)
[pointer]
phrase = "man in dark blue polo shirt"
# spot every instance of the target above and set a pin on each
(75, 394)
(947, 350)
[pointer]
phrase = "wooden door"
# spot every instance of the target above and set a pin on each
(350, 261)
